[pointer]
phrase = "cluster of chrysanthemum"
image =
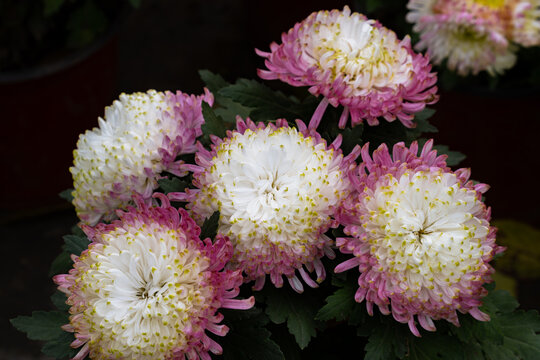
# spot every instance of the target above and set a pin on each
(148, 287)
(475, 35)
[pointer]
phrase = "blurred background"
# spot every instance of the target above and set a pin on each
(63, 61)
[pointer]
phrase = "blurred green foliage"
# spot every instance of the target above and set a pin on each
(522, 256)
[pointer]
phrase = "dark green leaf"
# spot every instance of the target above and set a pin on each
(454, 157)
(42, 325)
(61, 264)
(214, 82)
(510, 334)
(297, 310)
(173, 184)
(210, 226)
(339, 306)
(75, 244)
(213, 124)
(248, 339)
(379, 346)
(59, 348)
(66, 195)
(519, 330)
(434, 346)
(424, 115)
(421, 119)
(267, 104)
(226, 107)
(59, 300)
(351, 138)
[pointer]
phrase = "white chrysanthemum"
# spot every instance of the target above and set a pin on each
(526, 23)
(138, 138)
(354, 62)
(139, 292)
(424, 232)
(361, 51)
(148, 288)
(420, 236)
(470, 35)
(276, 190)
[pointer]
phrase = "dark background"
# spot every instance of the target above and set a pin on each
(161, 46)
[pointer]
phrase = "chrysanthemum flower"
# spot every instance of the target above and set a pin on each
(356, 63)
(526, 22)
(475, 35)
(148, 288)
(276, 189)
(420, 236)
(139, 137)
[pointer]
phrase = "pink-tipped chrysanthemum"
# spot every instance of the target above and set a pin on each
(420, 236)
(140, 136)
(277, 189)
(526, 22)
(149, 288)
(475, 35)
(354, 62)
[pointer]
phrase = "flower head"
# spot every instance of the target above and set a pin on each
(148, 288)
(139, 137)
(475, 35)
(420, 236)
(276, 189)
(354, 62)
(526, 22)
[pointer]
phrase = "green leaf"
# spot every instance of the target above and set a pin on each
(296, 309)
(339, 306)
(423, 126)
(267, 103)
(66, 194)
(454, 157)
(61, 264)
(213, 124)
(351, 138)
(75, 244)
(210, 226)
(59, 348)
(173, 184)
(226, 108)
(510, 334)
(522, 257)
(434, 346)
(59, 300)
(379, 346)
(214, 82)
(424, 115)
(42, 325)
(51, 6)
(248, 339)
(519, 330)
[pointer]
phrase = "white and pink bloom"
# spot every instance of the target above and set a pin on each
(475, 35)
(140, 137)
(419, 235)
(277, 189)
(354, 62)
(148, 287)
